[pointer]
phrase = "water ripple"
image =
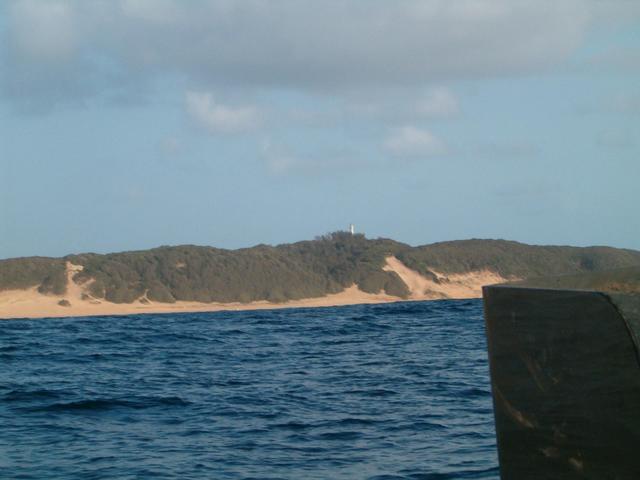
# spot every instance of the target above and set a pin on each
(380, 392)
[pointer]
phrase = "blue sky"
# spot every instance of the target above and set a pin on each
(129, 124)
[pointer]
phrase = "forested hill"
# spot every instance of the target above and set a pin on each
(305, 269)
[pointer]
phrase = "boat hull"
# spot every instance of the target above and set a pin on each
(565, 376)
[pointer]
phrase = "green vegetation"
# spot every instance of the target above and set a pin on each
(305, 269)
(513, 259)
(48, 274)
(277, 274)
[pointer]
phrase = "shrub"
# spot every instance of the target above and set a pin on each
(305, 269)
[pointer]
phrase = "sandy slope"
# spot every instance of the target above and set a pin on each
(31, 304)
(468, 285)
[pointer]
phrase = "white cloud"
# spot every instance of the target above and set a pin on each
(338, 45)
(625, 59)
(438, 102)
(410, 141)
(152, 11)
(43, 31)
(170, 145)
(614, 13)
(217, 118)
(283, 164)
(278, 158)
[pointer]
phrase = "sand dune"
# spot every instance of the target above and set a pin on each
(30, 303)
(467, 285)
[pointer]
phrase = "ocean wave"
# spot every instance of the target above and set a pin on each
(103, 404)
(386, 392)
(29, 395)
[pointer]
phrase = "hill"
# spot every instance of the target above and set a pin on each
(326, 266)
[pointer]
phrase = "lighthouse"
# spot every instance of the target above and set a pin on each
(352, 229)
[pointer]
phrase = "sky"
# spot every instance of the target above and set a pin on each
(129, 124)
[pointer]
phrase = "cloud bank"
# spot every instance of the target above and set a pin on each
(58, 51)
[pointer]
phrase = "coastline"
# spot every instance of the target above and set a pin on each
(29, 303)
(18, 304)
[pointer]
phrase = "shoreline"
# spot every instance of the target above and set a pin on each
(47, 307)
(215, 307)
(30, 304)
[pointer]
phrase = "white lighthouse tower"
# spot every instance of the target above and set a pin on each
(352, 229)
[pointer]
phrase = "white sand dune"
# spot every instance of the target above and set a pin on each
(467, 285)
(29, 303)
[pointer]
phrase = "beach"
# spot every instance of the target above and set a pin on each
(29, 303)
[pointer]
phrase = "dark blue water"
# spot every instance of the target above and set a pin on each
(364, 392)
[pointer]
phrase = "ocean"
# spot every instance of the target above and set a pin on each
(389, 391)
